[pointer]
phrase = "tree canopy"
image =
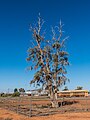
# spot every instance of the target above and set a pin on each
(79, 88)
(21, 90)
(15, 90)
(66, 88)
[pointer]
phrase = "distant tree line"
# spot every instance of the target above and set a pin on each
(16, 93)
(77, 88)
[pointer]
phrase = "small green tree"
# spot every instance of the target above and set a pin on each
(79, 88)
(21, 90)
(15, 90)
(48, 58)
(66, 88)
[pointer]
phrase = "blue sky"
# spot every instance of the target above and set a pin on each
(15, 17)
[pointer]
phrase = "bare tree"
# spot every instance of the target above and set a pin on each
(48, 58)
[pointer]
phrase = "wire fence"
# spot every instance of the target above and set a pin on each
(41, 106)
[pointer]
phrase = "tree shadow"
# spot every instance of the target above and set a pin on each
(63, 103)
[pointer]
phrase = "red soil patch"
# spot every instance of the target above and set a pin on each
(67, 116)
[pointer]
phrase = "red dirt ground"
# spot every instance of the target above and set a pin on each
(67, 116)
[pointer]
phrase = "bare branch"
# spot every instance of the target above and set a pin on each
(60, 30)
(37, 27)
(54, 34)
(63, 41)
(57, 34)
(40, 23)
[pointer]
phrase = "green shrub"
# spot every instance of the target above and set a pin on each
(16, 94)
(1, 94)
(4, 95)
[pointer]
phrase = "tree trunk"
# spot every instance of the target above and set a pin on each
(54, 101)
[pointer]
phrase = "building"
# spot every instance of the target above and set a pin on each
(36, 92)
(28, 93)
(73, 93)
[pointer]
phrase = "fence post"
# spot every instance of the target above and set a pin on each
(30, 112)
(86, 105)
(17, 104)
(9, 103)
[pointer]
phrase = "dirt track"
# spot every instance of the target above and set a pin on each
(67, 116)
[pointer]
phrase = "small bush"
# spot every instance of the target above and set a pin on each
(4, 95)
(16, 94)
(1, 94)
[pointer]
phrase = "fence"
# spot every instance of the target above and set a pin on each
(37, 106)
